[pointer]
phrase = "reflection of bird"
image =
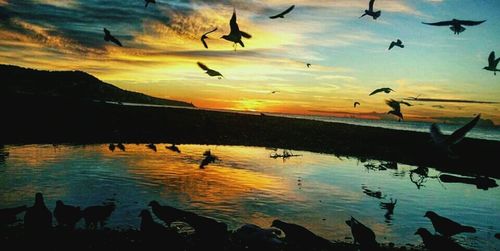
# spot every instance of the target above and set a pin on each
(300, 235)
(384, 89)
(204, 36)
(389, 206)
(492, 63)
(109, 37)
(362, 234)
(67, 215)
(370, 12)
(282, 14)
(148, 2)
(356, 104)
(97, 214)
(173, 148)
(8, 215)
(396, 108)
(445, 142)
(235, 34)
(437, 242)
(151, 146)
(398, 43)
(38, 217)
(456, 25)
(308, 65)
(210, 72)
(447, 227)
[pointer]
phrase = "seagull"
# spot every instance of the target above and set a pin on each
(148, 2)
(282, 14)
(235, 34)
(398, 43)
(205, 37)
(445, 142)
(109, 37)
(210, 72)
(356, 104)
(396, 108)
(492, 63)
(437, 242)
(362, 234)
(385, 89)
(456, 25)
(370, 12)
(447, 227)
(308, 65)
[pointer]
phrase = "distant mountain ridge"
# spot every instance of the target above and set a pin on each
(70, 84)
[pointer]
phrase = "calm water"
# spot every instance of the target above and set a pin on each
(318, 191)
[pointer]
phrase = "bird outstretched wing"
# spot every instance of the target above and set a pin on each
(356, 104)
(233, 24)
(459, 134)
(443, 23)
(203, 66)
(210, 31)
(106, 31)
(405, 103)
(282, 14)
(245, 35)
(370, 5)
(204, 43)
(376, 91)
(114, 40)
(491, 59)
(393, 104)
(470, 23)
(392, 45)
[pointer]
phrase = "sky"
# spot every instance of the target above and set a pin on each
(349, 55)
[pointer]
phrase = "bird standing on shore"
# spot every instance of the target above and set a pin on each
(38, 218)
(300, 235)
(282, 14)
(447, 227)
(397, 43)
(437, 242)
(95, 215)
(444, 142)
(109, 37)
(456, 25)
(66, 215)
(204, 36)
(492, 63)
(235, 34)
(384, 89)
(370, 12)
(210, 72)
(362, 234)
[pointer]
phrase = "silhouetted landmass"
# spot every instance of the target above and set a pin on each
(70, 84)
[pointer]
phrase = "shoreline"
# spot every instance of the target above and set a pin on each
(59, 120)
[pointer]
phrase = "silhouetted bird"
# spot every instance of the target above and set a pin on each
(437, 242)
(94, 215)
(396, 108)
(66, 215)
(148, 2)
(173, 148)
(148, 225)
(151, 146)
(155, 234)
(121, 147)
(444, 142)
(8, 215)
(235, 34)
(456, 25)
(447, 227)
(38, 217)
(398, 43)
(109, 37)
(204, 36)
(282, 14)
(356, 104)
(362, 234)
(492, 63)
(384, 89)
(209, 71)
(167, 214)
(111, 147)
(253, 237)
(308, 65)
(370, 12)
(209, 158)
(300, 235)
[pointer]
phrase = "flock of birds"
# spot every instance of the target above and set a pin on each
(38, 221)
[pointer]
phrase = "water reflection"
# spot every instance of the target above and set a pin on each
(318, 191)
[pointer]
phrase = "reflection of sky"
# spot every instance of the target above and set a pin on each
(245, 187)
(349, 55)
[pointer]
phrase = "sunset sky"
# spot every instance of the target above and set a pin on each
(349, 55)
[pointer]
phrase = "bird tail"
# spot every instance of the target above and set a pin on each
(402, 46)
(377, 14)
(362, 15)
(468, 229)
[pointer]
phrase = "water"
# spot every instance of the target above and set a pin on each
(318, 191)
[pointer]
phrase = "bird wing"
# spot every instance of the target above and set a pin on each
(405, 103)
(470, 23)
(106, 31)
(202, 66)
(392, 45)
(114, 40)
(370, 5)
(245, 35)
(282, 14)
(496, 62)
(233, 24)
(459, 134)
(436, 134)
(393, 104)
(443, 23)
(210, 32)
(399, 41)
(376, 91)
(491, 58)
(203, 41)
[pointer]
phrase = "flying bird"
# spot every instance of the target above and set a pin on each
(356, 104)
(385, 89)
(235, 34)
(148, 2)
(396, 108)
(282, 14)
(447, 227)
(308, 65)
(210, 72)
(121, 147)
(446, 142)
(109, 37)
(398, 43)
(362, 234)
(456, 25)
(206, 37)
(173, 148)
(370, 12)
(437, 242)
(492, 63)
